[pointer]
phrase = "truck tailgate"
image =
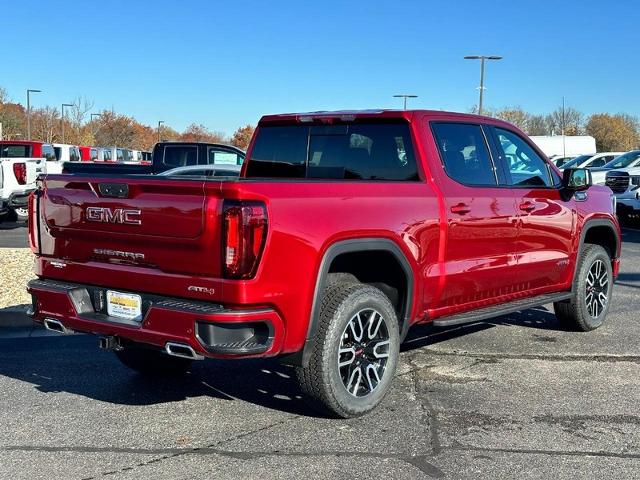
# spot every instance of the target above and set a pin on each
(167, 224)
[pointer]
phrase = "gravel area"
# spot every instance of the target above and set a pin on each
(16, 269)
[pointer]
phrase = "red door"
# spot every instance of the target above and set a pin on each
(546, 220)
(481, 218)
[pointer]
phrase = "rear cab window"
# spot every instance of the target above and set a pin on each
(356, 151)
(180, 155)
(15, 151)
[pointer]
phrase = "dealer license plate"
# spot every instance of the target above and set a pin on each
(124, 305)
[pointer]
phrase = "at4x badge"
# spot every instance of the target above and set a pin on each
(195, 288)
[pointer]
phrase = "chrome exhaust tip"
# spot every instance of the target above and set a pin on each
(182, 350)
(56, 326)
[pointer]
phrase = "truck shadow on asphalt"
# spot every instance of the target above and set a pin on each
(424, 335)
(12, 225)
(75, 365)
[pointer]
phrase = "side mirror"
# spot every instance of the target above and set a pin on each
(576, 179)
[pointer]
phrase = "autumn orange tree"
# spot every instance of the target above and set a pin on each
(242, 136)
(614, 132)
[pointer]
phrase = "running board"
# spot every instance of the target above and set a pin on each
(501, 309)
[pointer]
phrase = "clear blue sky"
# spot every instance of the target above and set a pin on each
(225, 64)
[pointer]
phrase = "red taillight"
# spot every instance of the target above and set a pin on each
(245, 231)
(20, 171)
(33, 222)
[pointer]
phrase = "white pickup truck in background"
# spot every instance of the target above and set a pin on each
(625, 184)
(17, 180)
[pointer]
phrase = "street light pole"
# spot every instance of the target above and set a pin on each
(64, 105)
(405, 96)
(160, 122)
(29, 91)
(482, 59)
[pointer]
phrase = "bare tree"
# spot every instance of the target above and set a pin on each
(568, 121)
(537, 125)
(81, 107)
(44, 122)
(514, 115)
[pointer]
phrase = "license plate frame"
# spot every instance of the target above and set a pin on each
(123, 305)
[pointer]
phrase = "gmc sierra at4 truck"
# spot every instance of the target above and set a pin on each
(343, 230)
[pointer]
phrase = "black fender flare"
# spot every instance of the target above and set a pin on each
(588, 225)
(348, 246)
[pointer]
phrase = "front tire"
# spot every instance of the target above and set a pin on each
(593, 286)
(355, 355)
(148, 361)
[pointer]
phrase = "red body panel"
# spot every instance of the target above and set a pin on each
(85, 153)
(494, 253)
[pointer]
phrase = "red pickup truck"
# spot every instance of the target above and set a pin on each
(344, 229)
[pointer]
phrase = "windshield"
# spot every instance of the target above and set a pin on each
(624, 161)
(576, 161)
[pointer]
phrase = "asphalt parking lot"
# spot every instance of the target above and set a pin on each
(13, 235)
(516, 397)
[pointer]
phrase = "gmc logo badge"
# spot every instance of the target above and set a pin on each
(113, 215)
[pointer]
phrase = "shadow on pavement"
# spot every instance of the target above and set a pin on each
(12, 225)
(424, 335)
(74, 364)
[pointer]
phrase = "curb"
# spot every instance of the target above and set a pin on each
(15, 317)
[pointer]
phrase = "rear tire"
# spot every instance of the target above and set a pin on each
(148, 361)
(354, 358)
(592, 288)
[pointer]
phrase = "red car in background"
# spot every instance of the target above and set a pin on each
(88, 154)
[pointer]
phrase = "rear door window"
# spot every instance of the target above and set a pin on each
(180, 156)
(465, 154)
(48, 152)
(74, 154)
(354, 151)
(221, 157)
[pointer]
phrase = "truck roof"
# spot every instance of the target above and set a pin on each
(21, 142)
(350, 115)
